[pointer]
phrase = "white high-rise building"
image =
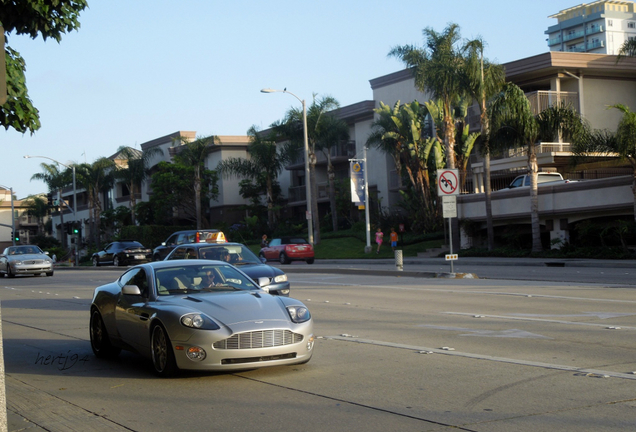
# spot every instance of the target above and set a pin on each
(600, 27)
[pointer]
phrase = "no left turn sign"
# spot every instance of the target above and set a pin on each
(447, 182)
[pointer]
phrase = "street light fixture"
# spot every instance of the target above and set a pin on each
(310, 230)
(72, 167)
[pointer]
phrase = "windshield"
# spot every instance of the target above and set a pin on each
(188, 279)
(234, 254)
(22, 250)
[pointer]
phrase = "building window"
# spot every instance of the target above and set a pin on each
(610, 23)
(631, 24)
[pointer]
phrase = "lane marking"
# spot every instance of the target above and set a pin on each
(577, 370)
(518, 318)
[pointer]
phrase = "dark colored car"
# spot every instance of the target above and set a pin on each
(239, 255)
(288, 249)
(122, 253)
(186, 237)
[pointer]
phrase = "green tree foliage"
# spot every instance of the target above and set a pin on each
(264, 165)
(96, 178)
(194, 154)
(46, 18)
(514, 125)
(37, 207)
(437, 68)
(173, 194)
(291, 127)
(402, 131)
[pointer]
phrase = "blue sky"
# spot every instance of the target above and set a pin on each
(138, 70)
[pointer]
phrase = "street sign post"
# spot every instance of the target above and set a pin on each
(448, 189)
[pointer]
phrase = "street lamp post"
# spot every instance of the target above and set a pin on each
(310, 228)
(12, 215)
(72, 167)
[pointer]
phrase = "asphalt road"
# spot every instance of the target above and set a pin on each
(395, 352)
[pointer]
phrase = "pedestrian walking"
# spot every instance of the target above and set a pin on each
(378, 239)
(394, 239)
(264, 241)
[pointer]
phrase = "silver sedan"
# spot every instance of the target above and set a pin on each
(198, 314)
(25, 260)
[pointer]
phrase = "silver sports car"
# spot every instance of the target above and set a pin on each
(25, 259)
(198, 314)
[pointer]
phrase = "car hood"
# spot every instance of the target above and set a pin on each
(235, 307)
(256, 270)
(26, 257)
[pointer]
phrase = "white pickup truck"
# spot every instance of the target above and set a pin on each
(542, 177)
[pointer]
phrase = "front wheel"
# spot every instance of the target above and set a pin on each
(283, 259)
(162, 354)
(116, 261)
(100, 343)
(95, 262)
(9, 272)
(310, 260)
(49, 273)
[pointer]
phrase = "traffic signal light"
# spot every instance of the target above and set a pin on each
(15, 236)
(49, 199)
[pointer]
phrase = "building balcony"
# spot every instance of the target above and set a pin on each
(573, 35)
(543, 99)
(595, 44)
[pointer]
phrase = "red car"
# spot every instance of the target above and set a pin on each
(288, 249)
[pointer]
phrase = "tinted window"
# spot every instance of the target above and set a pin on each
(178, 253)
(135, 277)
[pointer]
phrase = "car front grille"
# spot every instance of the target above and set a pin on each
(259, 339)
(37, 261)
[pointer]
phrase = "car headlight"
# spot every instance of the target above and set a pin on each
(298, 314)
(280, 278)
(199, 321)
(16, 262)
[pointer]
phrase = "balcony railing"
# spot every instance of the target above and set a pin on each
(573, 35)
(543, 99)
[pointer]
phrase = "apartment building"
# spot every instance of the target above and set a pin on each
(600, 27)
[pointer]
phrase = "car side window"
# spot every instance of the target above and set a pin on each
(109, 247)
(191, 253)
(179, 253)
(135, 277)
(172, 240)
(275, 242)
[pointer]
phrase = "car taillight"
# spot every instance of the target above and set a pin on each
(197, 237)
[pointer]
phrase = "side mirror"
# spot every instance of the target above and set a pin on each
(263, 281)
(131, 290)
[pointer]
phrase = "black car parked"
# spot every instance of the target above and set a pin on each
(240, 256)
(185, 237)
(122, 253)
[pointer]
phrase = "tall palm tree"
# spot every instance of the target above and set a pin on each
(437, 69)
(56, 180)
(96, 178)
(483, 79)
(195, 154)
(264, 159)
(333, 131)
(134, 171)
(316, 114)
(514, 125)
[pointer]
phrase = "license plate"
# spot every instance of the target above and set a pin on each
(139, 257)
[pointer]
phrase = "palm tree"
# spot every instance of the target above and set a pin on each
(483, 80)
(402, 132)
(437, 69)
(264, 160)
(514, 125)
(134, 171)
(56, 180)
(628, 49)
(195, 154)
(96, 178)
(38, 207)
(316, 114)
(333, 131)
